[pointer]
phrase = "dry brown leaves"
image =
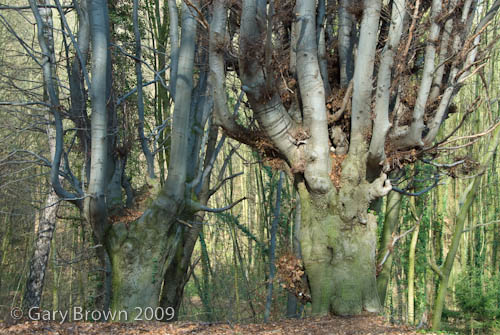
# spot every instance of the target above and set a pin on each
(334, 103)
(126, 216)
(336, 170)
(398, 159)
(359, 325)
(290, 274)
(277, 164)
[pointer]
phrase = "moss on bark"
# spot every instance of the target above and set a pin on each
(140, 252)
(338, 241)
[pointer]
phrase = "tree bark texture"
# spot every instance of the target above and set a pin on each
(39, 260)
(393, 206)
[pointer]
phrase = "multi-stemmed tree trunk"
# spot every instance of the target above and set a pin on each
(151, 256)
(339, 147)
(321, 119)
(146, 261)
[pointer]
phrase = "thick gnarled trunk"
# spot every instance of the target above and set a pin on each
(138, 271)
(177, 271)
(339, 256)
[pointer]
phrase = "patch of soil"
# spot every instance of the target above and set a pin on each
(358, 325)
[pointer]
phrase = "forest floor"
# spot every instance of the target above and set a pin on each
(359, 325)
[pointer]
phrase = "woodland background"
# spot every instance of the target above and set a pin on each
(229, 271)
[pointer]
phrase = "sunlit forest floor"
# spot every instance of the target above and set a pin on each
(360, 325)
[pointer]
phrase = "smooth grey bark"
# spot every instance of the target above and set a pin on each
(347, 37)
(174, 45)
(417, 126)
(181, 118)
(272, 249)
(381, 124)
(46, 41)
(216, 81)
(95, 204)
(140, 99)
(78, 111)
(363, 73)
(102, 166)
(313, 100)
(269, 109)
(138, 272)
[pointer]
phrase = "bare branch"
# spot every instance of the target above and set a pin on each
(481, 225)
(223, 181)
(435, 267)
(393, 244)
(265, 101)
(444, 165)
(345, 102)
(121, 99)
(197, 207)
(5, 7)
(79, 54)
(419, 193)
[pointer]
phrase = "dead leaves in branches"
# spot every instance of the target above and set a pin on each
(335, 172)
(290, 273)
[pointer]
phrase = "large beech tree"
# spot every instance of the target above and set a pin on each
(343, 93)
(146, 260)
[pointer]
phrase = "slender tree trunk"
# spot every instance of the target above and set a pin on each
(177, 272)
(47, 223)
(272, 249)
(5, 243)
(291, 306)
(411, 276)
(347, 38)
(466, 200)
(39, 260)
(56, 273)
(139, 271)
(140, 100)
(391, 221)
(205, 291)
